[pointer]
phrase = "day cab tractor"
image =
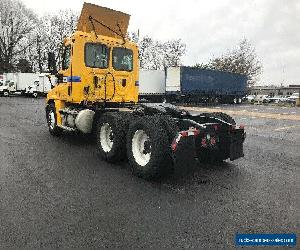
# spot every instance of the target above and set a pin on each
(97, 93)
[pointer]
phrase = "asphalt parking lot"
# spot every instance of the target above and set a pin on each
(57, 192)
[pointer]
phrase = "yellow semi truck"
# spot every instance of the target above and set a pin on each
(97, 93)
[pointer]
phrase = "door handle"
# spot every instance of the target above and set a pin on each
(95, 80)
(123, 82)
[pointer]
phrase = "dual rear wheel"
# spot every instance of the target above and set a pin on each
(143, 140)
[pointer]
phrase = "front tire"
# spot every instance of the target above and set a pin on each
(52, 120)
(148, 148)
(5, 93)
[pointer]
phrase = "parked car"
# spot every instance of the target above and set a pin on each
(275, 99)
(284, 98)
(261, 98)
(249, 98)
(293, 98)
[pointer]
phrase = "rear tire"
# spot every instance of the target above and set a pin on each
(52, 120)
(111, 131)
(148, 148)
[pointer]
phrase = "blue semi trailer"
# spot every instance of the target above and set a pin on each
(190, 84)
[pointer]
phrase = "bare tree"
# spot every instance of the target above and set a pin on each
(16, 26)
(51, 33)
(160, 55)
(242, 60)
(173, 52)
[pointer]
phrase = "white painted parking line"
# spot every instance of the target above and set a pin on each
(287, 127)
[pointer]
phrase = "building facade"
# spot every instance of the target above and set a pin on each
(274, 90)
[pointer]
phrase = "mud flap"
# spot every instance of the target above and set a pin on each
(185, 156)
(236, 145)
(236, 151)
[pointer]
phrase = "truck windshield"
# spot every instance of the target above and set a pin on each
(122, 59)
(96, 55)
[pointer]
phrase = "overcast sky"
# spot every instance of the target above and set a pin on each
(211, 27)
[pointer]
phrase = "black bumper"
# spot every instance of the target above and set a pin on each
(229, 145)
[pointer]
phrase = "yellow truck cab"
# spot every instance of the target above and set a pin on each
(96, 68)
(97, 93)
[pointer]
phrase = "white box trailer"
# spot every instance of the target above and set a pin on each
(24, 81)
(41, 86)
(46, 82)
(20, 83)
(8, 85)
(152, 85)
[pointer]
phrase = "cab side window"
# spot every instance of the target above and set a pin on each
(122, 59)
(66, 58)
(96, 55)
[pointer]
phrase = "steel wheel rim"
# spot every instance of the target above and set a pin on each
(139, 140)
(106, 137)
(51, 117)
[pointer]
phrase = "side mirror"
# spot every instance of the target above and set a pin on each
(52, 63)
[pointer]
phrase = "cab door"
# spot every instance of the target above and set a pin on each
(96, 57)
(122, 63)
(65, 83)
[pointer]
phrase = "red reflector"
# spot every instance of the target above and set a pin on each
(242, 126)
(212, 140)
(184, 133)
(174, 146)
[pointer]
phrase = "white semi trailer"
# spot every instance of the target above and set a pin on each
(152, 85)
